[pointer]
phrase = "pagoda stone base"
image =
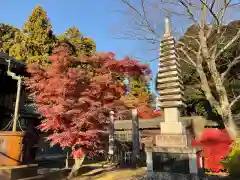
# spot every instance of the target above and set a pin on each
(172, 160)
(172, 153)
(172, 141)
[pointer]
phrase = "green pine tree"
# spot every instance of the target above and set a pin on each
(36, 40)
(82, 45)
(139, 94)
(7, 35)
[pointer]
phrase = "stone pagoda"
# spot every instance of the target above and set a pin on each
(171, 151)
(170, 84)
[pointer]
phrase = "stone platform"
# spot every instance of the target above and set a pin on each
(171, 153)
(172, 159)
(18, 172)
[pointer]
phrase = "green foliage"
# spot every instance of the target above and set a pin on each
(232, 162)
(138, 86)
(7, 35)
(36, 40)
(139, 92)
(82, 45)
(18, 49)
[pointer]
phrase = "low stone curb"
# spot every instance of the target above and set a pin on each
(56, 175)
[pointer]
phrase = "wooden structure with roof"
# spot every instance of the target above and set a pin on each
(17, 120)
(8, 94)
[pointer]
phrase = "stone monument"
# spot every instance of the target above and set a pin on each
(171, 150)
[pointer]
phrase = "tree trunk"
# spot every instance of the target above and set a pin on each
(229, 123)
(77, 165)
(223, 107)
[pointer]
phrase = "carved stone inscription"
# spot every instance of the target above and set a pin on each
(170, 162)
(164, 140)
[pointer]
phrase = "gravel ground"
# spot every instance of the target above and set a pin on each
(114, 174)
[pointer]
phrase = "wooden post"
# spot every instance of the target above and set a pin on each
(19, 84)
(149, 160)
(16, 110)
(135, 138)
(111, 136)
(66, 162)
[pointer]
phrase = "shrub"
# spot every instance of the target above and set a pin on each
(232, 162)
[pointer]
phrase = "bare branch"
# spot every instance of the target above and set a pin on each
(186, 61)
(132, 36)
(237, 116)
(235, 5)
(234, 102)
(168, 10)
(187, 6)
(211, 11)
(221, 13)
(185, 46)
(228, 45)
(219, 40)
(193, 38)
(143, 17)
(212, 4)
(143, 9)
(230, 66)
(205, 86)
(188, 57)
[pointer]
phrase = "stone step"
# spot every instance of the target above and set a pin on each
(18, 172)
(56, 175)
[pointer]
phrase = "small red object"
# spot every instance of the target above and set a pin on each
(216, 145)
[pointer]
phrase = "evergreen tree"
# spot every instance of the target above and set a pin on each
(139, 88)
(138, 92)
(82, 45)
(36, 40)
(7, 35)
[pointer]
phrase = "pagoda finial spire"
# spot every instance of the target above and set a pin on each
(167, 32)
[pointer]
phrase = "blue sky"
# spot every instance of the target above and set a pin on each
(95, 18)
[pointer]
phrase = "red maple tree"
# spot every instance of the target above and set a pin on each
(149, 113)
(75, 96)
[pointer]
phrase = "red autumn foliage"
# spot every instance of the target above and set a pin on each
(76, 101)
(216, 145)
(149, 113)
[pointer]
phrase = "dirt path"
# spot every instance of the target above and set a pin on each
(113, 174)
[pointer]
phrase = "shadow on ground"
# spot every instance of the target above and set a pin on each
(91, 170)
(111, 172)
